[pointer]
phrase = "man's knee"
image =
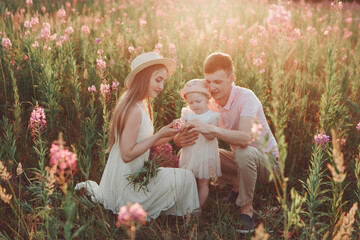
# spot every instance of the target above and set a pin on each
(243, 157)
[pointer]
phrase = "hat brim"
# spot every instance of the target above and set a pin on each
(169, 63)
(185, 91)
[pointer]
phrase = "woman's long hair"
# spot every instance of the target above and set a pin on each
(137, 92)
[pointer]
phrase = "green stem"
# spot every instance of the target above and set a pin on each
(2, 71)
(18, 215)
(286, 224)
(19, 207)
(32, 75)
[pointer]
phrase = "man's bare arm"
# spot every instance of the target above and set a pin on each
(240, 137)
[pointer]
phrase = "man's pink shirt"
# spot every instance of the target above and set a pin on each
(244, 103)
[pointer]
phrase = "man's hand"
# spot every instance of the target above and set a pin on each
(200, 127)
(185, 138)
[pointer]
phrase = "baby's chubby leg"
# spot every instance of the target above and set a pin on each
(203, 190)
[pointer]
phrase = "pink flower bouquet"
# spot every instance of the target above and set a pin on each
(160, 156)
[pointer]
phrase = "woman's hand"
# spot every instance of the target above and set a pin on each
(167, 131)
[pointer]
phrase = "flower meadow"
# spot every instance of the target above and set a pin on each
(62, 69)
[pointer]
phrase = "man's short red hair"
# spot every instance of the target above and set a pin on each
(218, 61)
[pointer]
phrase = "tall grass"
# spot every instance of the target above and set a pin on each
(302, 64)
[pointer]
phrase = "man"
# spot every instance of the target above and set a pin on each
(239, 109)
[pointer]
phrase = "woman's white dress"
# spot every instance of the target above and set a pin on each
(173, 190)
(204, 154)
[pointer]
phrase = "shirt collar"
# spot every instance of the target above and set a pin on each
(231, 99)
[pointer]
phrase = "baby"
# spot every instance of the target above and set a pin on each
(202, 158)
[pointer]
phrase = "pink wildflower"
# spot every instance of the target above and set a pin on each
(104, 89)
(68, 5)
(100, 52)
(158, 48)
(337, 5)
(63, 158)
(92, 89)
(163, 156)
(165, 148)
(253, 42)
(53, 37)
(46, 47)
(85, 30)
(63, 38)
(137, 212)
(342, 141)
(34, 21)
(279, 15)
(45, 31)
(69, 30)
(115, 85)
(159, 33)
(29, 2)
(100, 64)
(6, 43)
(178, 124)
(142, 22)
(37, 120)
(257, 61)
(123, 216)
(128, 217)
(61, 13)
(43, 9)
(349, 20)
(172, 49)
(232, 22)
(46, 25)
(358, 126)
(35, 44)
(321, 140)
(98, 40)
(131, 49)
(131, 218)
(27, 24)
(347, 34)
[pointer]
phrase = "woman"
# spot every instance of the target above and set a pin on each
(173, 190)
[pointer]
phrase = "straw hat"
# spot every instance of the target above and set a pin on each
(195, 85)
(146, 60)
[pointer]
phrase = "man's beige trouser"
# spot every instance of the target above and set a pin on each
(243, 168)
